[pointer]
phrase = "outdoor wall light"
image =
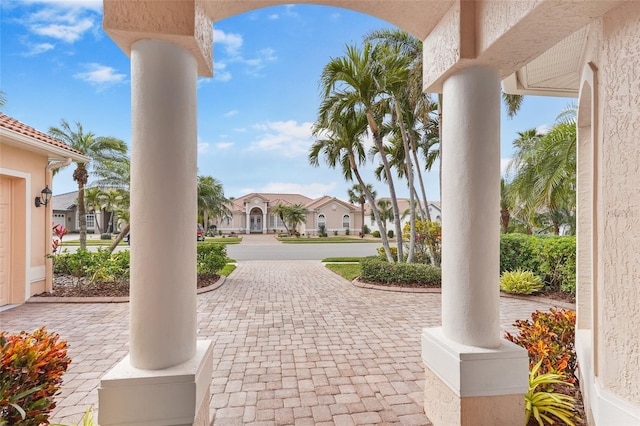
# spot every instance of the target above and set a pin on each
(45, 196)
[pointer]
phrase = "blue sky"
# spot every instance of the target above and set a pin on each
(254, 115)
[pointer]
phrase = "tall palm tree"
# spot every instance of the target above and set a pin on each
(211, 200)
(296, 214)
(340, 142)
(360, 80)
(358, 195)
(386, 213)
(99, 149)
(281, 210)
(505, 206)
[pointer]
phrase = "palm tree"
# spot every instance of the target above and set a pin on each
(99, 149)
(340, 143)
(93, 204)
(505, 206)
(358, 195)
(211, 200)
(386, 213)
(360, 80)
(281, 210)
(296, 214)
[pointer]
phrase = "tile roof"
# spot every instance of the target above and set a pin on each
(19, 127)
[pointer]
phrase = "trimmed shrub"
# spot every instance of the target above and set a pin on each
(549, 338)
(105, 236)
(31, 369)
(550, 257)
(99, 265)
(367, 230)
(390, 233)
(322, 230)
(211, 258)
(346, 231)
(380, 271)
(520, 282)
(375, 234)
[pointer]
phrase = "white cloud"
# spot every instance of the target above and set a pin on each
(287, 137)
(231, 113)
(231, 42)
(312, 190)
(274, 16)
(224, 145)
(69, 4)
(100, 75)
(219, 71)
(203, 148)
(34, 49)
(543, 129)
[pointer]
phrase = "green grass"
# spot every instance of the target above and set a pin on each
(92, 243)
(325, 240)
(341, 259)
(227, 269)
(347, 270)
(220, 240)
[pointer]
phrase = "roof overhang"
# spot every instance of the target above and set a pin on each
(554, 73)
(53, 153)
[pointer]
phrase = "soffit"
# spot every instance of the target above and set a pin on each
(554, 73)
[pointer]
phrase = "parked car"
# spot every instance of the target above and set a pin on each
(200, 233)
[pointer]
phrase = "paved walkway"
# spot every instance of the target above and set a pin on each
(293, 344)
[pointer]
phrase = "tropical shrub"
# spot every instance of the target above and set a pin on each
(367, 230)
(346, 231)
(549, 339)
(31, 369)
(105, 236)
(375, 234)
(544, 403)
(382, 255)
(520, 282)
(99, 265)
(378, 270)
(428, 239)
(211, 258)
(390, 233)
(552, 258)
(322, 230)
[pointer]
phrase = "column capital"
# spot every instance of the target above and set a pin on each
(182, 22)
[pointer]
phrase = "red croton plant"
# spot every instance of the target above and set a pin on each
(31, 369)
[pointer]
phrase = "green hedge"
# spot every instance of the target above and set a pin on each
(377, 270)
(551, 257)
(211, 258)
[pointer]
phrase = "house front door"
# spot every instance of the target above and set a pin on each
(256, 223)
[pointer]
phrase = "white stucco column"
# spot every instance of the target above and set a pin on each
(471, 207)
(163, 204)
(469, 368)
(264, 221)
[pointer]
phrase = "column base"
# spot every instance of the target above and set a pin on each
(467, 385)
(178, 395)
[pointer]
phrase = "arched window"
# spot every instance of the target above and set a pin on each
(322, 221)
(345, 221)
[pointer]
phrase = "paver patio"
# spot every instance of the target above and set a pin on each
(293, 344)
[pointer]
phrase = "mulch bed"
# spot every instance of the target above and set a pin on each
(70, 286)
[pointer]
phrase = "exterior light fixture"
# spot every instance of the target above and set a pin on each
(45, 196)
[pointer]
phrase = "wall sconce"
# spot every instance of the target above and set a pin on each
(43, 200)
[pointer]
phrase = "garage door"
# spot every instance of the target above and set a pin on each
(6, 193)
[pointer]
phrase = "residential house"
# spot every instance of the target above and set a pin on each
(27, 158)
(252, 213)
(65, 212)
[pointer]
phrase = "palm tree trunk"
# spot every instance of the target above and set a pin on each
(374, 209)
(82, 217)
(120, 237)
(412, 207)
(414, 151)
(392, 190)
(362, 200)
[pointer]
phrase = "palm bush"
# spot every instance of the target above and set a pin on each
(520, 282)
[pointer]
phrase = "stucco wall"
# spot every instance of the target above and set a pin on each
(619, 363)
(31, 236)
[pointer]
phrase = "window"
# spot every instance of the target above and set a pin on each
(345, 221)
(91, 221)
(322, 221)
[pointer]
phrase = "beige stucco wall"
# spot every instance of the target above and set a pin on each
(614, 50)
(30, 233)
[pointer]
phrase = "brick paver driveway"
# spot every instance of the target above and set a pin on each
(293, 344)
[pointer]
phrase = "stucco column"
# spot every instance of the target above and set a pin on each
(264, 222)
(248, 219)
(470, 370)
(471, 207)
(163, 204)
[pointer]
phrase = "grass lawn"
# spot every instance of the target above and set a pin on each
(220, 240)
(227, 269)
(346, 270)
(342, 259)
(326, 240)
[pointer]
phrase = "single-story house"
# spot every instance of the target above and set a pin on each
(65, 212)
(27, 158)
(252, 213)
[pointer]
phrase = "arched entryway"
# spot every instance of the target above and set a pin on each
(468, 48)
(256, 224)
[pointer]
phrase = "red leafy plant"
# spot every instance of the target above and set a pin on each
(59, 231)
(31, 369)
(549, 337)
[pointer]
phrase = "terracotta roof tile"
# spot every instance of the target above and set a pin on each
(19, 127)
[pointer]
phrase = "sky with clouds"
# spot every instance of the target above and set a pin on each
(254, 116)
